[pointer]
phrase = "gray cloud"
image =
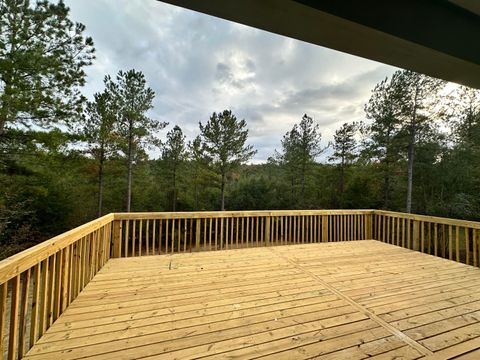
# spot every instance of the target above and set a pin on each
(198, 64)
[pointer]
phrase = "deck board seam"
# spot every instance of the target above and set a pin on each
(422, 349)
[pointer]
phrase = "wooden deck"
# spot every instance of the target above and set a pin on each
(352, 300)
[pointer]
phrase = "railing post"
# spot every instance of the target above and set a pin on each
(324, 228)
(116, 239)
(197, 234)
(369, 226)
(267, 231)
(416, 235)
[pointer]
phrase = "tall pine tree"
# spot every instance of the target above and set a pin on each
(225, 141)
(344, 151)
(174, 154)
(99, 130)
(133, 99)
(418, 98)
(42, 59)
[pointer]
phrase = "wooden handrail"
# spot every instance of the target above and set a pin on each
(138, 234)
(451, 239)
(37, 285)
(432, 219)
(225, 214)
(18, 263)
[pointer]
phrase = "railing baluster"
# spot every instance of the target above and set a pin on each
(35, 304)
(147, 238)
(3, 315)
(22, 338)
(475, 247)
(467, 245)
(127, 237)
(457, 243)
(190, 235)
(154, 234)
(140, 238)
(13, 334)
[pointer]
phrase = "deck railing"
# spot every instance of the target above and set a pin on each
(137, 234)
(448, 238)
(38, 284)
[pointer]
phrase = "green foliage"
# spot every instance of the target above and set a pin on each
(42, 56)
(224, 140)
(132, 99)
(417, 96)
(414, 146)
(174, 154)
(344, 150)
(382, 141)
(300, 148)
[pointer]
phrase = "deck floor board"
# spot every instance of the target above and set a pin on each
(343, 300)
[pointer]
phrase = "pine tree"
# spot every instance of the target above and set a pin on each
(465, 112)
(174, 154)
(98, 128)
(344, 150)
(418, 97)
(133, 99)
(300, 148)
(198, 162)
(383, 141)
(225, 140)
(289, 160)
(42, 57)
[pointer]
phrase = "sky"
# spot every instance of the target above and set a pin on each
(198, 64)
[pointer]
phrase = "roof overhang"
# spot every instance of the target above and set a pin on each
(439, 38)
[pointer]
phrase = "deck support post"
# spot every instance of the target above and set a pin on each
(369, 226)
(116, 239)
(267, 231)
(197, 234)
(324, 228)
(416, 236)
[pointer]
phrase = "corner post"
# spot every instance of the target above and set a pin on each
(116, 239)
(416, 236)
(369, 226)
(267, 231)
(324, 228)
(197, 234)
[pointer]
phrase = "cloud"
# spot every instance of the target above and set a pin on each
(198, 64)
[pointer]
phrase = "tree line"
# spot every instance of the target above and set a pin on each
(65, 160)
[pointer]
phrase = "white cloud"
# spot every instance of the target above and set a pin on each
(198, 64)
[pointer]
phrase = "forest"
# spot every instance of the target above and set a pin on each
(65, 160)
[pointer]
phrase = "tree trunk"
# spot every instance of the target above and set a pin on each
(411, 145)
(196, 196)
(174, 190)
(100, 183)
(342, 177)
(4, 111)
(303, 189)
(3, 121)
(130, 166)
(386, 182)
(292, 193)
(195, 189)
(8, 80)
(386, 190)
(223, 192)
(409, 177)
